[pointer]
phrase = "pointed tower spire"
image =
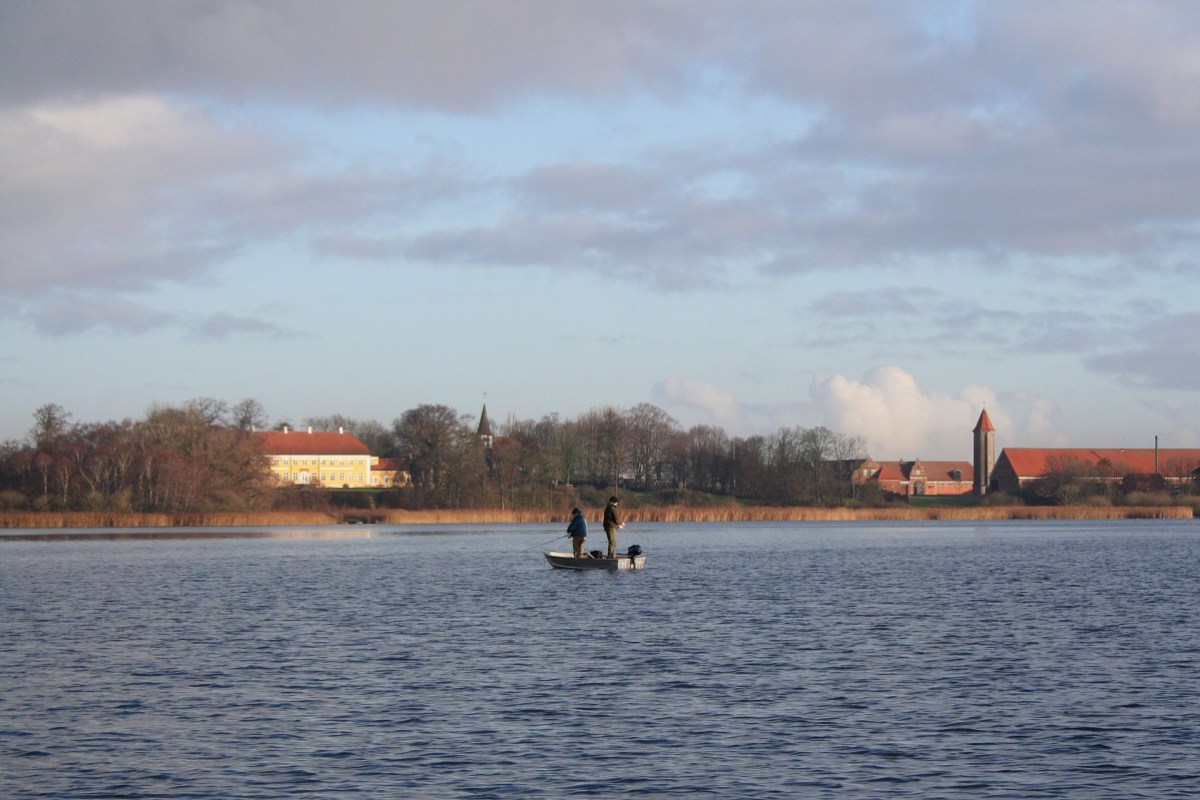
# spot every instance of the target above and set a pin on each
(985, 453)
(484, 431)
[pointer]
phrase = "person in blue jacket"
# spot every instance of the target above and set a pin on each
(577, 530)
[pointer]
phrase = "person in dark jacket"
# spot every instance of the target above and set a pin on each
(577, 530)
(612, 524)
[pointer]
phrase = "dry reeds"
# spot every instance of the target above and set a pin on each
(82, 519)
(904, 513)
(89, 519)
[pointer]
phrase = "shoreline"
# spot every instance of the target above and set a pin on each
(38, 520)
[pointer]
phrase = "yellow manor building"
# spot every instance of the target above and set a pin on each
(336, 460)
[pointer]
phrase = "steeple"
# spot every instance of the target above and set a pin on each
(985, 453)
(485, 427)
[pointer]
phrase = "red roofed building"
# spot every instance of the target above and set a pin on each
(323, 458)
(1018, 467)
(386, 472)
(918, 478)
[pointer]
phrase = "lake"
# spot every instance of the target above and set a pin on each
(815, 660)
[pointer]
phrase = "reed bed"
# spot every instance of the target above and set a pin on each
(82, 519)
(89, 519)
(904, 513)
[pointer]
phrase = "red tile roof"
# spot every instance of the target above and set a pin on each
(1032, 462)
(934, 470)
(299, 443)
(985, 423)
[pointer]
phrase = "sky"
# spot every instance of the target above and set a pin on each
(879, 217)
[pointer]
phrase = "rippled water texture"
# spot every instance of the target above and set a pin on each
(747, 661)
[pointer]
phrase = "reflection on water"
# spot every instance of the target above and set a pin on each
(274, 532)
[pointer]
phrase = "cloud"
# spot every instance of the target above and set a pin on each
(66, 315)
(118, 193)
(125, 194)
(1159, 354)
(916, 136)
(1060, 313)
(433, 54)
(895, 417)
(901, 420)
(225, 326)
(718, 406)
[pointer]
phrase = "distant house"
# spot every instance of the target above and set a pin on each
(338, 460)
(386, 473)
(1018, 467)
(917, 478)
(1146, 469)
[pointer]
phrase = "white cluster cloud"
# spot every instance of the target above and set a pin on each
(901, 420)
(887, 407)
(717, 406)
(895, 416)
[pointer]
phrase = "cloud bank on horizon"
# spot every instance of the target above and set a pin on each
(874, 216)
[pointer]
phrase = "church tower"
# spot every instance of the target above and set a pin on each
(484, 432)
(985, 453)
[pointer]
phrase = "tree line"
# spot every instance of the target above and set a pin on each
(175, 459)
(203, 456)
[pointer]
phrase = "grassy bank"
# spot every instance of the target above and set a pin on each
(38, 520)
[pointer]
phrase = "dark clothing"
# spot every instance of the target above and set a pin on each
(577, 530)
(611, 520)
(612, 524)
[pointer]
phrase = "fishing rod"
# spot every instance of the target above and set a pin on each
(555, 539)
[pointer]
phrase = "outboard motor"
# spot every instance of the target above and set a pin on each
(635, 550)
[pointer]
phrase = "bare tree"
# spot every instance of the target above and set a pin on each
(249, 415)
(708, 456)
(209, 409)
(1065, 481)
(748, 467)
(378, 439)
(446, 457)
(605, 435)
(649, 436)
(49, 422)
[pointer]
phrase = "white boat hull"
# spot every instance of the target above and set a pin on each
(621, 562)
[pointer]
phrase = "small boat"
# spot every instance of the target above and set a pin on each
(597, 560)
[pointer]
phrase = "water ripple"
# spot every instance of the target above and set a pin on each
(987, 661)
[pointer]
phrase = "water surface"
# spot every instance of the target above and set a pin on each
(747, 661)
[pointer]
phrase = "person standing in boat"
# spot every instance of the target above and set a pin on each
(577, 530)
(612, 524)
